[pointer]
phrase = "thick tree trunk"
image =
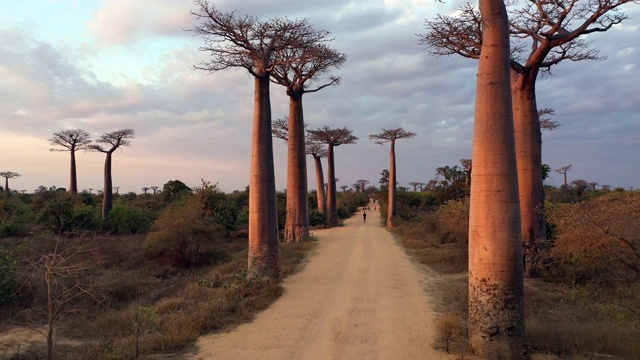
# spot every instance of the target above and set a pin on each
(391, 212)
(107, 194)
(297, 224)
(264, 253)
(332, 216)
(528, 142)
(496, 310)
(6, 186)
(73, 181)
(321, 194)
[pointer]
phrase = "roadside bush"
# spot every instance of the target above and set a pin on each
(15, 217)
(62, 214)
(349, 202)
(596, 240)
(316, 218)
(453, 222)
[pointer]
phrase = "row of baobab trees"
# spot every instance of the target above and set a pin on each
(506, 192)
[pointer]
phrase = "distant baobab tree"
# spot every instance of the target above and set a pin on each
(154, 188)
(296, 68)
(90, 190)
(113, 141)
(563, 170)
(344, 188)
(363, 184)
(390, 136)
(8, 175)
(415, 185)
(543, 34)
(318, 151)
(546, 122)
(71, 141)
(116, 188)
(145, 189)
(593, 185)
(258, 47)
(333, 138)
(356, 187)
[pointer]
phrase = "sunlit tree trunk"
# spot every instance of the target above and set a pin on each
(107, 194)
(264, 253)
(297, 220)
(528, 140)
(496, 310)
(321, 195)
(332, 213)
(73, 183)
(391, 213)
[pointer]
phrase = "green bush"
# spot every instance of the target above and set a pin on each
(15, 217)
(8, 279)
(129, 220)
(316, 218)
(62, 213)
(453, 221)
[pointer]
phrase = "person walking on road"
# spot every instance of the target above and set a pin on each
(364, 216)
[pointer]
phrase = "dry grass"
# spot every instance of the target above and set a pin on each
(211, 296)
(581, 322)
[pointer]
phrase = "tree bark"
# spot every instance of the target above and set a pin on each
(73, 181)
(391, 213)
(496, 310)
(321, 195)
(297, 221)
(528, 140)
(332, 216)
(264, 253)
(107, 194)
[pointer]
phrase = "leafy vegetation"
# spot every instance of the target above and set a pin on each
(589, 282)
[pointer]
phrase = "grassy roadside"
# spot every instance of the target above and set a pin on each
(562, 321)
(149, 301)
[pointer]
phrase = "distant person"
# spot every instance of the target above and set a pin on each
(364, 216)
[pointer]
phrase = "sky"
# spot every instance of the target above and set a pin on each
(104, 65)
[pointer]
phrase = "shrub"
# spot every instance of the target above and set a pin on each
(596, 240)
(316, 218)
(129, 220)
(453, 222)
(8, 279)
(61, 214)
(15, 217)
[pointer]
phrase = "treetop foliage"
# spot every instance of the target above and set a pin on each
(116, 139)
(332, 137)
(391, 135)
(70, 140)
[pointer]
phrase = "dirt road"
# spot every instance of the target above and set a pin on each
(359, 297)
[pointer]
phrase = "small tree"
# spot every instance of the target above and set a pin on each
(144, 320)
(71, 141)
(114, 140)
(362, 183)
(333, 138)
(390, 136)
(8, 175)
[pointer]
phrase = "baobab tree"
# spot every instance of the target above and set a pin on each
(296, 68)
(553, 32)
(390, 136)
(258, 47)
(145, 189)
(356, 187)
(113, 141)
(344, 188)
(71, 141)
(154, 188)
(333, 138)
(496, 306)
(564, 170)
(318, 151)
(467, 165)
(362, 183)
(8, 175)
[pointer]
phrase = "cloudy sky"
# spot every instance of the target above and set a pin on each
(103, 65)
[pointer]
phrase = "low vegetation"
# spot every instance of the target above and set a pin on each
(588, 288)
(163, 270)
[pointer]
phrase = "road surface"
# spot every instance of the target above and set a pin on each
(359, 297)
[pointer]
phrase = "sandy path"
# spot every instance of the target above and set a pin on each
(359, 297)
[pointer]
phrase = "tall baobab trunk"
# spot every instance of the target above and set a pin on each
(528, 140)
(321, 194)
(6, 186)
(297, 221)
(496, 310)
(264, 253)
(73, 182)
(332, 213)
(391, 212)
(107, 195)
